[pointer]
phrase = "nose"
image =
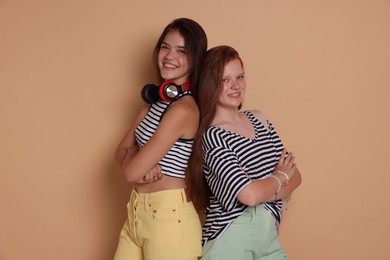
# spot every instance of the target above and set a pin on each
(234, 85)
(170, 54)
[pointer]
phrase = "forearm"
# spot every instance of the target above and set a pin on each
(266, 190)
(130, 154)
(287, 189)
(258, 191)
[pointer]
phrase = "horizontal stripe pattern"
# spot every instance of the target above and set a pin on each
(175, 162)
(231, 161)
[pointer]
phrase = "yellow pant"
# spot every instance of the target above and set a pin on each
(160, 225)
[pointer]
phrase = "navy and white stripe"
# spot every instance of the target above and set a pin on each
(175, 162)
(231, 162)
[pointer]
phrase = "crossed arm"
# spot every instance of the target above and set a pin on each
(128, 147)
(141, 166)
(264, 190)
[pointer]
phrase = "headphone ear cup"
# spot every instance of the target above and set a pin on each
(169, 91)
(150, 93)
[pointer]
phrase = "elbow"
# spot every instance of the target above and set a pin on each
(129, 177)
(299, 178)
(249, 197)
(250, 202)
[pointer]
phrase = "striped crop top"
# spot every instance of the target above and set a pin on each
(174, 163)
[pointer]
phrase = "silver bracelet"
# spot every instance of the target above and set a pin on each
(279, 182)
(285, 175)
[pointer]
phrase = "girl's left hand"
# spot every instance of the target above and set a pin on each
(286, 165)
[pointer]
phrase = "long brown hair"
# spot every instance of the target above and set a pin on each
(195, 41)
(206, 95)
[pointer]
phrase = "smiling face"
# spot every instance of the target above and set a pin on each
(172, 58)
(233, 85)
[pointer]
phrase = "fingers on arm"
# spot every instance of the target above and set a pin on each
(286, 163)
(153, 175)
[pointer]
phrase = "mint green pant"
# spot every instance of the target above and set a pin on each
(252, 236)
(160, 226)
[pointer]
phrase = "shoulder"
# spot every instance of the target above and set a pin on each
(211, 132)
(214, 137)
(260, 116)
(257, 113)
(183, 112)
(184, 105)
(185, 108)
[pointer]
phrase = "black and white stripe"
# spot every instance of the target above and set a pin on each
(231, 161)
(175, 162)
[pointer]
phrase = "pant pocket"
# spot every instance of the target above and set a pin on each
(245, 219)
(164, 211)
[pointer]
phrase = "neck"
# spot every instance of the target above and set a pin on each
(226, 115)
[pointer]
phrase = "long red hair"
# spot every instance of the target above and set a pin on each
(206, 95)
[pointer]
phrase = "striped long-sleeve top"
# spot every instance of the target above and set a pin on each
(231, 162)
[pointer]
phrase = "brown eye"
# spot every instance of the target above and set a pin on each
(164, 46)
(182, 51)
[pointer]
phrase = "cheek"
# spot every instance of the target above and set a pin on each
(184, 61)
(159, 57)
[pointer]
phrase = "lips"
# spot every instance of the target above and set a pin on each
(236, 94)
(169, 66)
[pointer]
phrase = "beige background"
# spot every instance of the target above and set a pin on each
(70, 75)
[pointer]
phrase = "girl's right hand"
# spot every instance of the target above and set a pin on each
(153, 175)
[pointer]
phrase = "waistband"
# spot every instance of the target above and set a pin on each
(255, 209)
(181, 194)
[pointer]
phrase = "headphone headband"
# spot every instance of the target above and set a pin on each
(168, 91)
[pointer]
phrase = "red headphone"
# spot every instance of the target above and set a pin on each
(168, 91)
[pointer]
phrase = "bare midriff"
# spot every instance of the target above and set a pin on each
(165, 183)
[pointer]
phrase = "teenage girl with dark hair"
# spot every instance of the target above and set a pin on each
(162, 221)
(239, 170)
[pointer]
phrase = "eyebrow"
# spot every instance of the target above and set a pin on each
(178, 46)
(239, 74)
